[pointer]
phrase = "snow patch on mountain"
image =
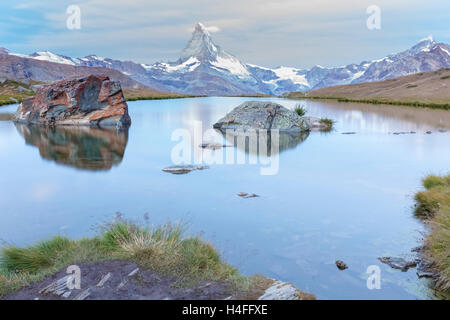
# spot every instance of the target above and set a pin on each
(51, 57)
(230, 64)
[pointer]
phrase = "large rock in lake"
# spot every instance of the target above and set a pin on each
(262, 115)
(85, 101)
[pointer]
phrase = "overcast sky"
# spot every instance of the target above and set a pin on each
(294, 33)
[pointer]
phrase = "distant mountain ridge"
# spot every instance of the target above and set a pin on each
(23, 67)
(205, 68)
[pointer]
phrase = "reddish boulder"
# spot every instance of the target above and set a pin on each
(85, 101)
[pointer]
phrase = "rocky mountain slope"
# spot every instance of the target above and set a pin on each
(204, 68)
(26, 67)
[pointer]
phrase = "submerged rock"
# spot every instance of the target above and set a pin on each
(285, 291)
(425, 269)
(341, 265)
(213, 146)
(398, 263)
(85, 101)
(183, 169)
(262, 115)
(246, 195)
(315, 124)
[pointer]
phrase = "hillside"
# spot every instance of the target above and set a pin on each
(13, 91)
(15, 67)
(422, 88)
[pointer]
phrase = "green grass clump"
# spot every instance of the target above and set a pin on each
(163, 249)
(34, 258)
(411, 86)
(328, 122)
(436, 195)
(445, 77)
(301, 111)
(434, 181)
(433, 205)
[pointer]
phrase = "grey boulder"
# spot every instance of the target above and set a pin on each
(262, 115)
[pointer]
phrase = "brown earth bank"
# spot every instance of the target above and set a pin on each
(426, 88)
(126, 281)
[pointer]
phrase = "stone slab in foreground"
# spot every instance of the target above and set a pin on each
(84, 101)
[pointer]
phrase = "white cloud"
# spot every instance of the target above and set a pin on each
(290, 32)
(213, 29)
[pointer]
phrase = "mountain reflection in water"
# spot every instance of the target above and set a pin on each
(83, 148)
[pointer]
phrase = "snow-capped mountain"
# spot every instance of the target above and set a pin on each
(205, 68)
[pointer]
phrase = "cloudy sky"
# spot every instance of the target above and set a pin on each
(299, 33)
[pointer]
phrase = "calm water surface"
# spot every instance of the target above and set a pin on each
(335, 196)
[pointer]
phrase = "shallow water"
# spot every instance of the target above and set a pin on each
(335, 196)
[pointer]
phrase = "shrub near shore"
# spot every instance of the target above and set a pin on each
(433, 205)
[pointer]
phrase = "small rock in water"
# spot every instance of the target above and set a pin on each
(424, 269)
(398, 263)
(246, 195)
(428, 132)
(417, 249)
(442, 130)
(341, 265)
(348, 132)
(183, 169)
(213, 146)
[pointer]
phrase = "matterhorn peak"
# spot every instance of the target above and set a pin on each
(427, 39)
(200, 46)
(200, 27)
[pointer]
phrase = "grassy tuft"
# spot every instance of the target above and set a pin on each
(434, 206)
(328, 122)
(301, 111)
(163, 249)
(435, 181)
(33, 258)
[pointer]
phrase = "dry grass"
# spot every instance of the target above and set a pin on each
(163, 249)
(434, 206)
